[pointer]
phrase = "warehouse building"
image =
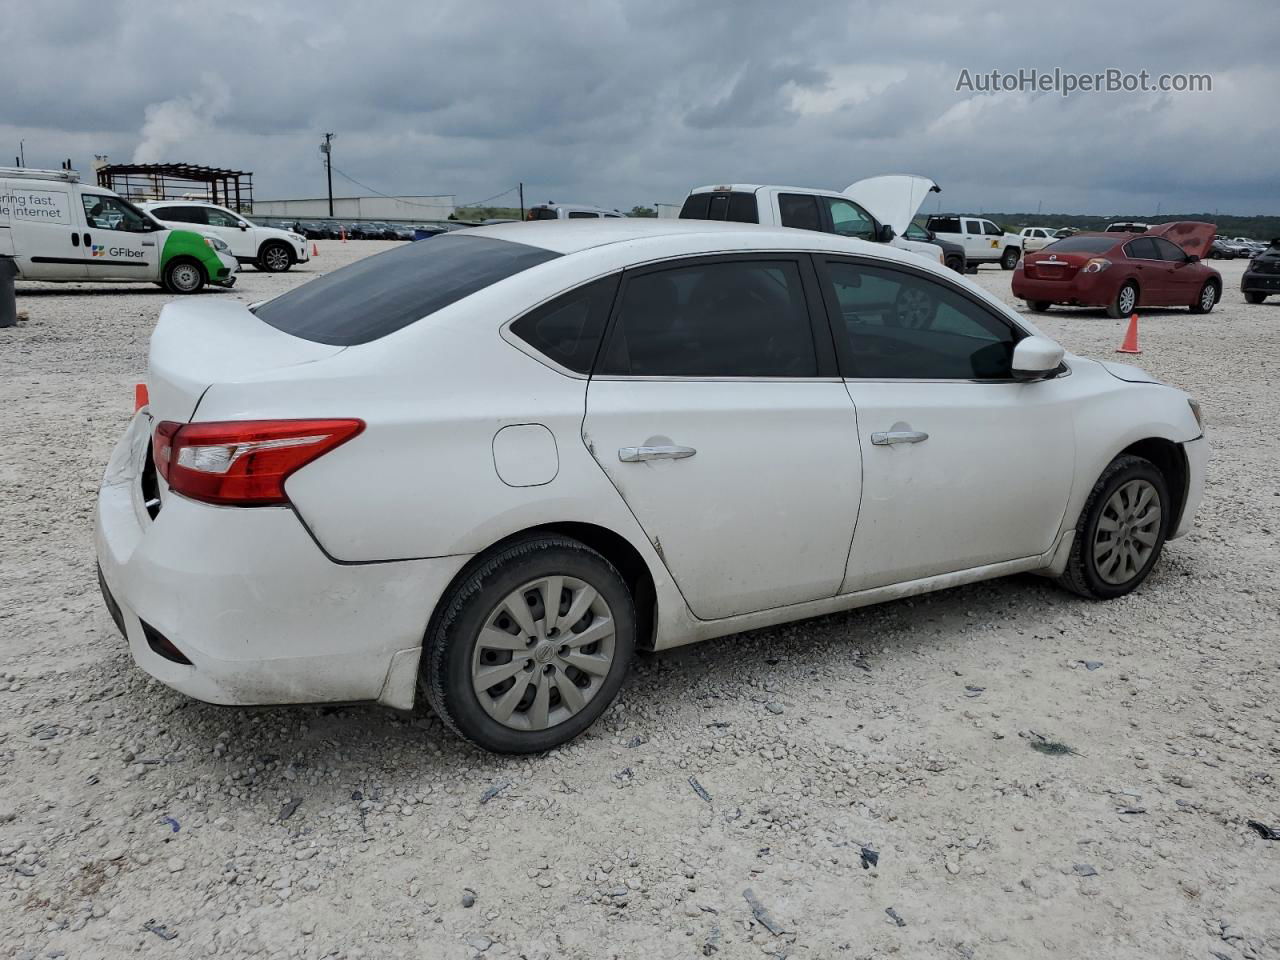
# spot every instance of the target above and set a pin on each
(359, 208)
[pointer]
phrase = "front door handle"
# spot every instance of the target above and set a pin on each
(898, 436)
(636, 454)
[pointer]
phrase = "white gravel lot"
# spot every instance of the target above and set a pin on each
(134, 821)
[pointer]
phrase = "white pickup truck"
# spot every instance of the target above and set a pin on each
(983, 241)
(878, 209)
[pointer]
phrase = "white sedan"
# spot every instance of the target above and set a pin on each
(488, 467)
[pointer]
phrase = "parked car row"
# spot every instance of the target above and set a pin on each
(356, 229)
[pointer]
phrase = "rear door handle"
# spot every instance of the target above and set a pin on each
(898, 436)
(636, 454)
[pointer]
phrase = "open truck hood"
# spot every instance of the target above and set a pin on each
(894, 199)
(200, 341)
(1193, 236)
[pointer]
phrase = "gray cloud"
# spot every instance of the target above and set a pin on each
(631, 102)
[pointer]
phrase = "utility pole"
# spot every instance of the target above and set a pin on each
(326, 149)
(521, 199)
(22, 153)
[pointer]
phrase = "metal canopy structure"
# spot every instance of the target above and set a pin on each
(179, 181)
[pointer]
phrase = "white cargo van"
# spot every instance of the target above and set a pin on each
(57, 228)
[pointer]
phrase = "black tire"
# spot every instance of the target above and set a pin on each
(1082, 574)
(183, 275)
(956, 264)
(448, 649)
(1009, 259)
(1039, 306)
(1206, 298)
(1116, 308)
(275, 256)
(1253, 296)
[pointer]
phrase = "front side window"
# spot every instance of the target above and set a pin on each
(916, 232)
(899, 325)
(221, 218)
(568, 329)
(991, 230)
(799, 210)
(740, 318)
(112, 213)
(1168, 250)
(850, 220)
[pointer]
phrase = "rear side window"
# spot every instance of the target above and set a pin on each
(741, 318)
(381, 294)
(583, 215)
(568, 329)
(799, 210)
(1141, 249)
(179, 214)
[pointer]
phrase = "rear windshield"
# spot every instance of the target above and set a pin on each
(381, 294)
(1082, 245)
(738, 206)
(543, 213)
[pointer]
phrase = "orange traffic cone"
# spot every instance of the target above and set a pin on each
(1130, 344)
(140, 396)
(315, 250)
(343, 231)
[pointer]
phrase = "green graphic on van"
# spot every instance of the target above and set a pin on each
(184, 243)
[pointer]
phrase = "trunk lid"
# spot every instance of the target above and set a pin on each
(894, 199)
(201, 341)
(1193, 236)
(1054, 266)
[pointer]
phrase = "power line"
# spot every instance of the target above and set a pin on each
(410, 203)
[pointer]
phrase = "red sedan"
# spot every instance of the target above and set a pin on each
(1123, 271)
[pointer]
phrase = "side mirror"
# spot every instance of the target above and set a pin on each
(1035, 358)
(242, 225)
(1192, 258)
(885, 234)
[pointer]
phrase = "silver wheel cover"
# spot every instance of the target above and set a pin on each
(1128, 297)
(185, 276)
(543, 653)
(1127, 533)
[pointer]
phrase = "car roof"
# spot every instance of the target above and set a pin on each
(690, 236)
(753, 187)
(169, 203)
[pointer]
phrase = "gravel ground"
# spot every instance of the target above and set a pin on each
(870, 777)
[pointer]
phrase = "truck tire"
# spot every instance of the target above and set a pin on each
(1009, 259)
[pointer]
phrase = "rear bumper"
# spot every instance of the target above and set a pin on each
(246, 596)
(1084, 290)
(1253, 282)
(1197, 453)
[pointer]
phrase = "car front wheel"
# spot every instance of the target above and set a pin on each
(275, 258)
(184, 276)
(530, 647)
(1121, 530)
(1207, 298)
(1009, 259)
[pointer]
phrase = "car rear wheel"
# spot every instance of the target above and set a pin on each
(1126, 300)
(1207, 298)
(184, 276)
(1009, 259)
(275, 257)
(1039, 306)
(1253, 296)
(1121, 530)
(530, 647)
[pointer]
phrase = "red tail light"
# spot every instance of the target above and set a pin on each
(242, 462)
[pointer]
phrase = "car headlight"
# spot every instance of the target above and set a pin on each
(1195, 410)
(218, 244)
(1096, 265)
(296, 238)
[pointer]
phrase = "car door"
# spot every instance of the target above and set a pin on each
(43, 230)
(123, 244)
(722, 422)
(975, 242)
(963, 466)
(1183, 277)
(1154, 280)
(233, 229)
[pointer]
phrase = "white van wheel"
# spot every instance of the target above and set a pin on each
(183, 276)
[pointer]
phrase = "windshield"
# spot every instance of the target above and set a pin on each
(1093, 244)
(381, 294)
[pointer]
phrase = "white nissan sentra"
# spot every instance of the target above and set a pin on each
(489, 467)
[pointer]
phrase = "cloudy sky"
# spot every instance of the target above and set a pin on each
(619, 102)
